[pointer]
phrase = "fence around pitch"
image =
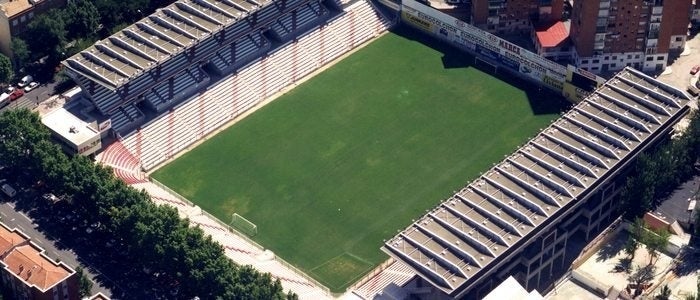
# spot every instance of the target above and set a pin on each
(247, 239)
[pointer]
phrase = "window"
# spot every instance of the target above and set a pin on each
(595, 61)
(629, 56)
(636, 56)
(660, 58)
(614, 57)
(14, 22)
(23, 18)
(650, 58)
(679, 39)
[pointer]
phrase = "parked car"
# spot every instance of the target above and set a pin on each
(9, 89)
(4, 99)
(25, 81)
(694, 70)
(16, 94)
(8, 190)
(31, 86)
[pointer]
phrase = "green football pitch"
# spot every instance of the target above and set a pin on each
(343, 161)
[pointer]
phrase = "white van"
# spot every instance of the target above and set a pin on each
(9, 191)
(4, 99)
(25, 81)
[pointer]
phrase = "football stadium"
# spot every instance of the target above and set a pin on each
(306, 135)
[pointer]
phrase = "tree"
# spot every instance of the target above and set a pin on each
(82, 19)
(49, 35)
(6, 72)
(21, 52)
(656, 241)
(83, 281)
(631, 247)
(664, 293)
(641, 276)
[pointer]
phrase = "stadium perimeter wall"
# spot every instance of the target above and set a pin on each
(486, 46)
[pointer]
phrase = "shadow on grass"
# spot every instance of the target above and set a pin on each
(542, 101)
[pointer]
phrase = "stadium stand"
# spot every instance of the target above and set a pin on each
(460, 244)
(187, 122)
(252, 70)
(145, 61)
(396, 274)
(122, 162)
(126, 118)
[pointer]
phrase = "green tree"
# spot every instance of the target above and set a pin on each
(21, 52)
(656, 242)
(82, 19)
(631, 247)
(6, 72)
(20, 131)
(84, 282)
(49, 35)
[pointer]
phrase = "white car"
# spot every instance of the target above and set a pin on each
(31, 86)
(9, 90)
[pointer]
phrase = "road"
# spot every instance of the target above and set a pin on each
(31, 99)
(13, 218)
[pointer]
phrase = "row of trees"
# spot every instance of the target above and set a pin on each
(152, 239)
(659, 171)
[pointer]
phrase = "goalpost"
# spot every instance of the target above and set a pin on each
(243, 225)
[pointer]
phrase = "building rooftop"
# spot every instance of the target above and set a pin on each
(512, 290)
(143, 45)
(13, 7)
(99, 296)
(28, 262)
(467, 232)
(68, 126)
(553, 35)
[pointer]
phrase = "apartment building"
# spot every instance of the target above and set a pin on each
(15, 16)
(508, 16)
(28, 273)
(628, 33)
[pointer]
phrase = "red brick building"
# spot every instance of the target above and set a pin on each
(503, 16)
(609, 35)
(29, 273)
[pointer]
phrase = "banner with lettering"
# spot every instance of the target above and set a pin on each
(485, 44)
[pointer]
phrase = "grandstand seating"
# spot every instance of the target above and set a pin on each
(397, 273)
(245, 50)
(305, 15)
(125, 118)
(171, 132)
(122, 162)
(169, 93)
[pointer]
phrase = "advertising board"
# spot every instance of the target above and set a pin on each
(498, 50)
